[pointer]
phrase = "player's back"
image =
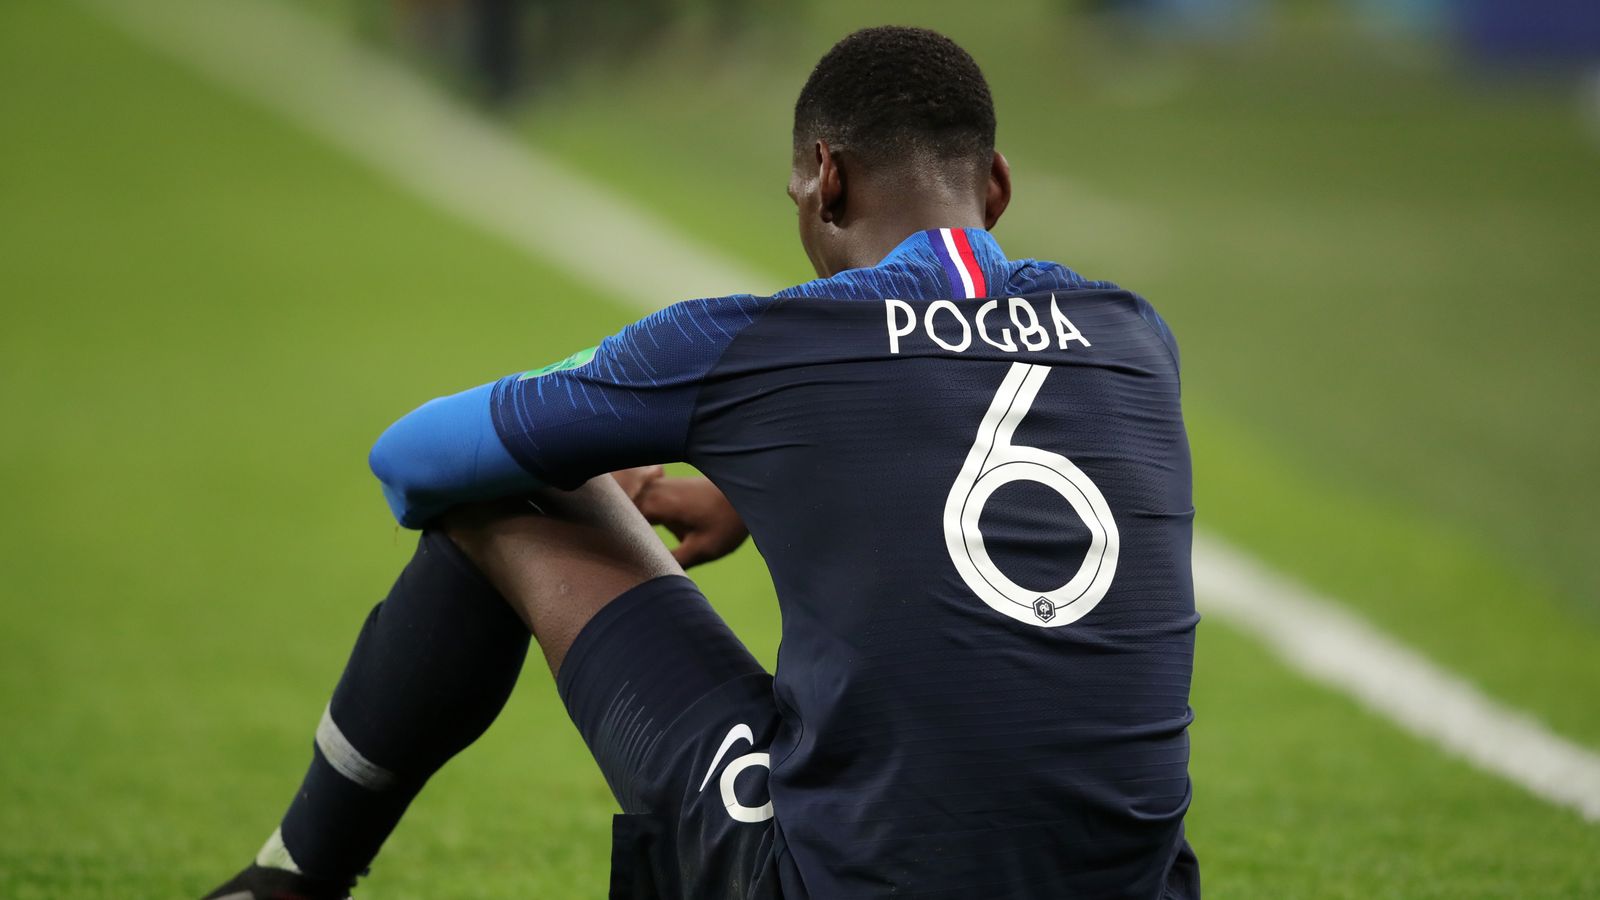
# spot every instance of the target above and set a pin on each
(970, 480)
(977, 517)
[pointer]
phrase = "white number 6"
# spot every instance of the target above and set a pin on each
(994, 461)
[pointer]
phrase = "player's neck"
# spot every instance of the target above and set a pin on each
(879, 236)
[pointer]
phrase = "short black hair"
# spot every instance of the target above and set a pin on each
(891, 95)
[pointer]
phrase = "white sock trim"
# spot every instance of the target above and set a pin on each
(274, 855)
(347, 760)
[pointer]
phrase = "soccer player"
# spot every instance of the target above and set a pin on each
(970, 479)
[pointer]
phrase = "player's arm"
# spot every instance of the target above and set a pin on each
(626, 403)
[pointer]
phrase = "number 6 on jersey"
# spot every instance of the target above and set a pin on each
(995, 461)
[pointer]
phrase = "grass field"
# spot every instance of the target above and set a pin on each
(1387, 311)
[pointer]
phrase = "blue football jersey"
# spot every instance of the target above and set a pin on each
(970, 479)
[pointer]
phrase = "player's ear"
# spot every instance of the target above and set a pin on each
(830, 183)
(997, 196)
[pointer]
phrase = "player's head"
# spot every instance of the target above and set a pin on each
(895, 126)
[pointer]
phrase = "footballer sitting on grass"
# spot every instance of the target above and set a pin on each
(970, 480)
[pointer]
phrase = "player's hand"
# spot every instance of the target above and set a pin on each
(698, 514)
(635, 481)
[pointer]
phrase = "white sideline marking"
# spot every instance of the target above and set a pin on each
(1319, 638)
(382, 114)
(387, 117)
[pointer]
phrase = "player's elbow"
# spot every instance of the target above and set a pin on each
(411, 460)
(442, 454)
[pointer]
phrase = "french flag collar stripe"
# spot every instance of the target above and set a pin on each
(960, 264)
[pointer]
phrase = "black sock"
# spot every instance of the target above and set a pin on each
(433, 666)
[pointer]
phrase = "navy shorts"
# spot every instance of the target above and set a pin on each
(679, 716)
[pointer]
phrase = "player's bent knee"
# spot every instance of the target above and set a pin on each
(549, 535)
(559, 557)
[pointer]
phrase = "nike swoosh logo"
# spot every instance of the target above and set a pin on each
(737, 732)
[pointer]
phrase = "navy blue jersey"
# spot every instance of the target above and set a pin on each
(970, 480)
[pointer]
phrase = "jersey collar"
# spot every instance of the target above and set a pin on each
(970, 258)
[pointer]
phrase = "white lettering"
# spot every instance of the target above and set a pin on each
(1032, 329)
(1009, 346)
(1024, 330)
(1065, 330)
(955, 312)
(890, 307)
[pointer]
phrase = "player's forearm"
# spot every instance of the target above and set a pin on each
(443, 454)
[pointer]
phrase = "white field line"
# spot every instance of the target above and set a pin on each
(383, 115)
(398, 123)
(1321, 639)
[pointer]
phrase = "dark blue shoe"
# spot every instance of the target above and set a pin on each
(262, 883)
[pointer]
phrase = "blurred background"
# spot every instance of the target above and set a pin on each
(225, 266)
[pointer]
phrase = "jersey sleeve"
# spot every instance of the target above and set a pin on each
(627, 402)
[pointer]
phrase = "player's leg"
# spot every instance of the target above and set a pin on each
(560, 556)
(675, 709)
(432, 666)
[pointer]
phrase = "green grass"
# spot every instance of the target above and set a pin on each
(208, 316)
